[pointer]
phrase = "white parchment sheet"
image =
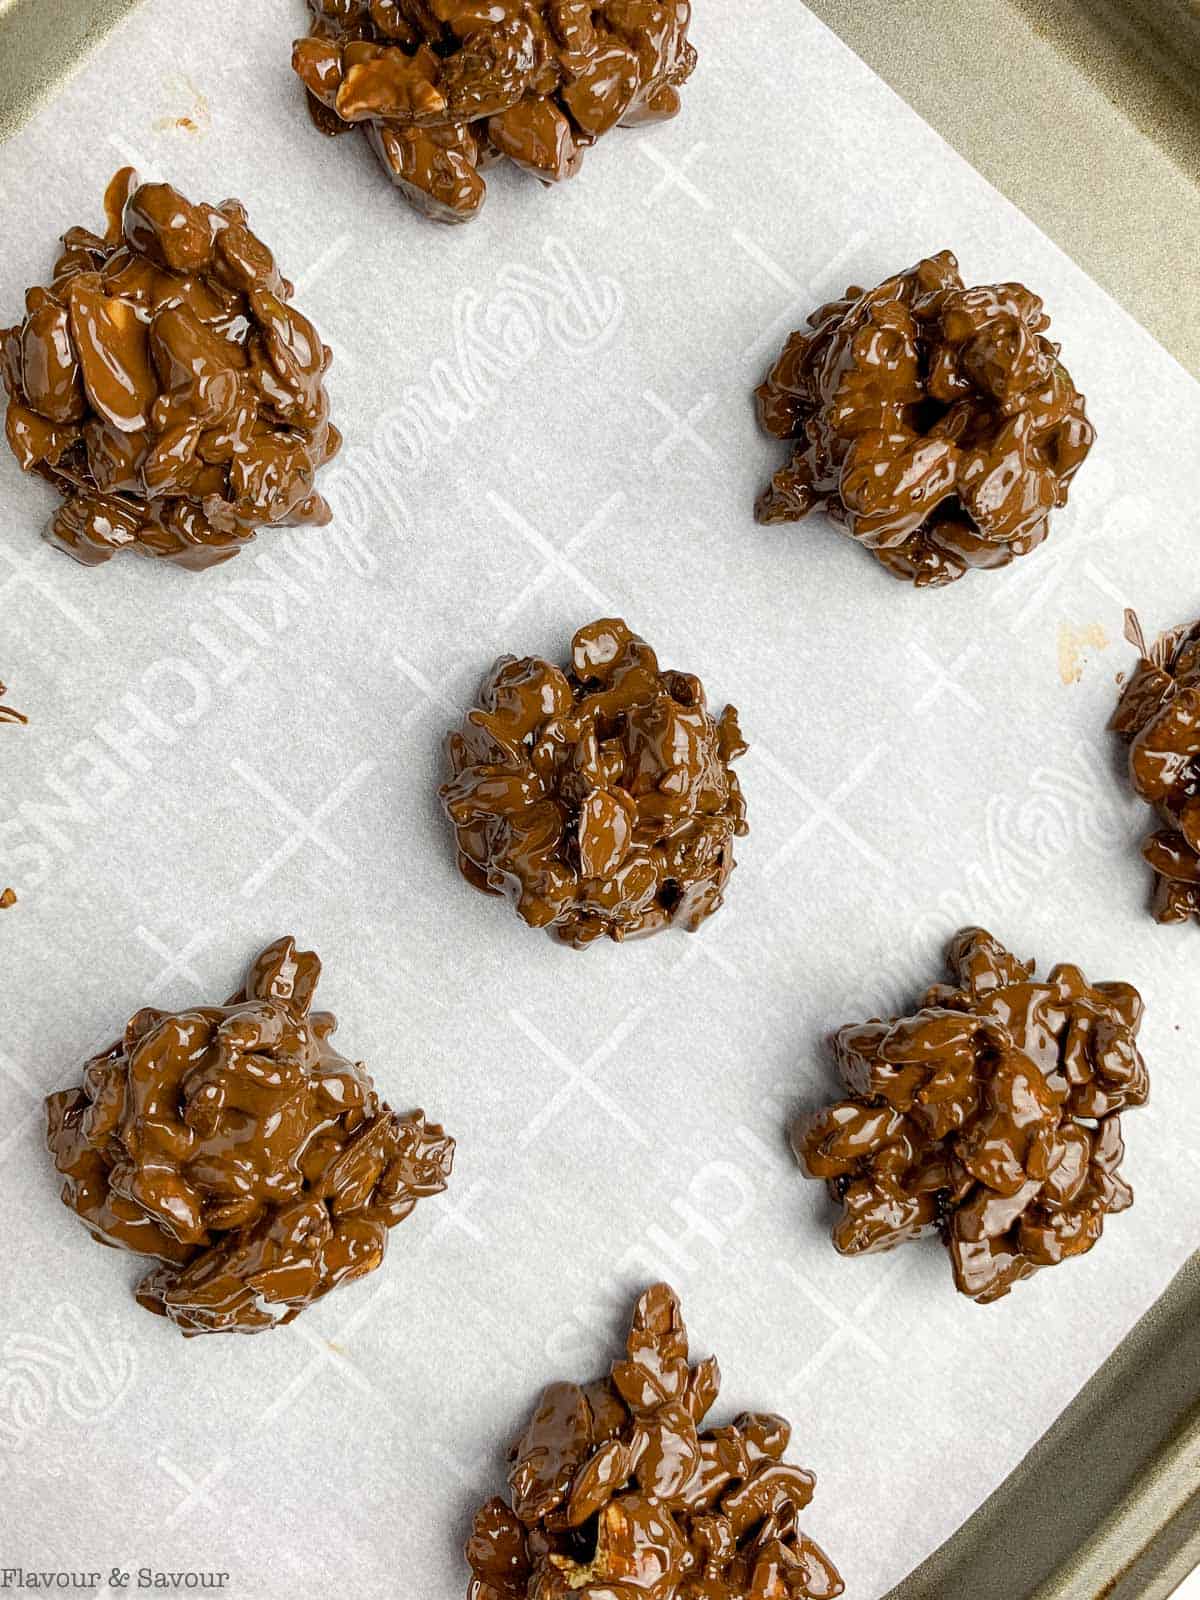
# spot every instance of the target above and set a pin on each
(548, 418)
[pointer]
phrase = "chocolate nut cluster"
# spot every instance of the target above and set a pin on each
(1159, 713)
(936, 424)
(165, 387)
(616, 1494)
(235, 1144)
(601, 799)
(442, 89)
(991, 1116)
(10, 714)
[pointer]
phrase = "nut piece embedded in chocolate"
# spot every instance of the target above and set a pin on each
(991, 1117)
(599, 799)
(165, 387)
(617, 1494)
(235, 1144)
(936, 424)
(442, 89)
(1159, 713)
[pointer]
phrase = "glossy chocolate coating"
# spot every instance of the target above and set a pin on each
(599, 799)
(617, 1494)
(937, 425)
(165, 387)
(992, 1117)
(1159, 714)
(235, 1144)
(10, 714)
(441, 89)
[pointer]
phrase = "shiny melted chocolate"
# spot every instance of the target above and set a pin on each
(1159, 714)
(990, 1117)
(10, 714)
(165, 387)
(442, 89)
(617, 1492)
(601, 799)
(935, 423)
(237, 1146)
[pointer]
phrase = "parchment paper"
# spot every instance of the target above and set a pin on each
(548, 418)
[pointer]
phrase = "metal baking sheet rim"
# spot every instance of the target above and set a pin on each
(1137, 1543)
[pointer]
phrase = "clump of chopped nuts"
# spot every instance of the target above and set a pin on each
(1159, 713)
(599, 799)
(617, 1493)
(443, 89)
(164, 385)
(238, 1147)
(991, 1117)
(934, 423)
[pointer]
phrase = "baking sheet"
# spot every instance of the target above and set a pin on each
(548, 418)
(1085, 113)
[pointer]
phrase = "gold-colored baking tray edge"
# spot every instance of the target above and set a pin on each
(41, 43)
(1108, 1502)
(1085, 113)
